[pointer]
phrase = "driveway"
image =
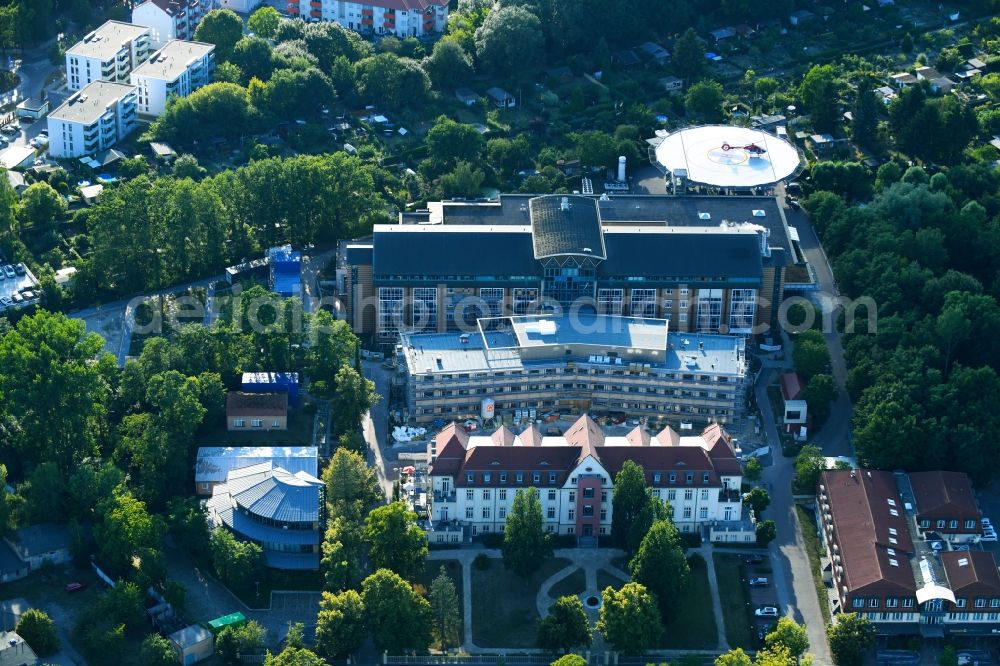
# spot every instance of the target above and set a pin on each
(375, 424)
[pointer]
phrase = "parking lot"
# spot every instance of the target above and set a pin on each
(762, 595)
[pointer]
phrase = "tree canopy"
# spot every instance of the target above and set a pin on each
(526, 545)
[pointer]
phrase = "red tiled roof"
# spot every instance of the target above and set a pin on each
(256, 404)
(863, 526)
(450, 446)
(503, 437)
(971, 568)
(530, 436)
(791, 386)
(669, 437)
(943, 492)
(638, 437)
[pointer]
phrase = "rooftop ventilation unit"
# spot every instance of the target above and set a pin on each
(759, 213)
(564, 204)
(704, 216)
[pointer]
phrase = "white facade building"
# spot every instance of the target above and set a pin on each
(92, 120)
(109, 53)
(474, 479)
(241, 6)
(171, 19)
(178, 69)
(402, 18)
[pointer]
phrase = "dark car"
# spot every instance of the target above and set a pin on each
(754, 559)
(758, 582)
(75, 587)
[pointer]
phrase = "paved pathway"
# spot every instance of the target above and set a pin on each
(706, 551)
(465, 558)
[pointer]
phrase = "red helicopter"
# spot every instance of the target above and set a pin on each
(750, 148)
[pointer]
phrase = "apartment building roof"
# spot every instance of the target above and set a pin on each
(604, 331)
(89, 104)
(105, 42)
(256, 404)
(173, 59)
(568, 225)
(455, 250)
(943, 493)
(460, 454)
(171, 7)
(873, 543)
(968, 568)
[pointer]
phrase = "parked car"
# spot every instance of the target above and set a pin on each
(6, 302)
(985, 522)
(758, 582)
(960, 549)
(75, 587)
(937, 545)
(766, 611)
(10, 130)
(9, 271)
(989, 537)
(19, 269)
(754, 559)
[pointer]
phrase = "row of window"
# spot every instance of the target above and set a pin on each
(907, 602)
(583, 370)
(487, 494)
(255, 423)
(925, 524)
(473, 408)
(536, 478)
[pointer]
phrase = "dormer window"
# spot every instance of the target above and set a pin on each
(470, 478)
(656, 477)
(704, 477)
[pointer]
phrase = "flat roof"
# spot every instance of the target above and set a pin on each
(716, 155)
(566, 225)
(597, 330)
(173, 59)
(16, 156)
(90, 103)
(501, 349)
(105, 42)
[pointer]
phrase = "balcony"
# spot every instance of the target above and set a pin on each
(315, 13)
(316, 4)
(730, 495)
(367, 13)
(445, 497)
(389, 16)
(369, 22)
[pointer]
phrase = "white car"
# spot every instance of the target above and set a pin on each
(766, 611)
(992, 536)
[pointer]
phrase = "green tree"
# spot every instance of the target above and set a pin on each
(864, 115)
(757, 499)
(340, 625)
(124, 604)
(508, 38)
(752, 469)
(767, 531)
(689, 55)
(811, 356)
(661, 566)
(570, 660)
(820, 392)
(395, 542)
(629, 619)
(850, 637)
(217, 110)
(351, 485)
(247, 638)
(397, 617)
(8, 197)
(157, 651)
(342, 548)
(294, 656)
(444, 605)
(735, 657)
(948, 657)
(39, 631)
(353, 395)
(789, 634)
(238, 564)
(809, 464)
(391, 82)
(655, 509)
(449, 142)
(448, 65)
(253, 56)
(41, 207)
(820, 96)
(525, 544)
(594, 148)
(221, 27)
(127, 530)
(463, 181)
(264, 22)
(704, 99)
(45, 494)
(565, 627)
(627, 500)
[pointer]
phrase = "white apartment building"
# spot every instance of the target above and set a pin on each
(178, 69)
(109, 53)
(171, 19)
(240, 6)
(92, 120)
(402, 18)
(474, 479)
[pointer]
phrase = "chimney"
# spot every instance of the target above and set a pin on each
(621, 169)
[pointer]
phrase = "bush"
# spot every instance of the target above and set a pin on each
(565, 541)
(38, 631)
(482, 562)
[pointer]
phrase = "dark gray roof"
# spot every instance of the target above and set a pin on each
(416, 251)
(681, 255)
(566, 225)
(42, 538)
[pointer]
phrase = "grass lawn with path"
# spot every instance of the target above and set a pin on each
(605, 579)
(693, 625)
(572, 585)
(504, 613)
(734, 595)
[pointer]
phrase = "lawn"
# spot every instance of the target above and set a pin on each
(572, 584)
(734, 595)
(454, 570)
(606, 580)
(814, 549)
(693, 628)
(504, 613)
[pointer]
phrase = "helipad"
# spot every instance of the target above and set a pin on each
(730, 157)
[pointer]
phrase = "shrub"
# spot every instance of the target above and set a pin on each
(482, 562)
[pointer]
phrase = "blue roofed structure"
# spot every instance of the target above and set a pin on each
(286, 270)
(280, 511)
(273, 382)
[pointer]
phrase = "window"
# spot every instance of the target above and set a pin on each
(588, 493)
(970, 524)
(703, 513)
(656, 477)
(960, 602)
(671, 495)
(994, 602)
(604, 495)
(908, 603)
(520, 477)
(552, 495)
(503, 512)
(487, 477)
(604, 516)
(470, 494)
(468, 512)
(502, 493)
(873, 602)
(551, 513)
(276, 423)
(687, 513)
(503, 477)
(689, 477)
(858, 603)
(609, 301)
(486, 512)
(673, 477)
(742, 307)
(953, 524)
(704, 477)
(980, 602)
(569, 530)
(892, 602)
(588, 511)
(688, 495)
(925, 523)
(470, 478)
(536, 477)
(940, 524)
(704, 495)
(256, 423)
(572, 514)
(239, 423)
(552, 477)
(643, 303)
(572, 496)
(486, 494)
(493, 298)
(709, 309)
